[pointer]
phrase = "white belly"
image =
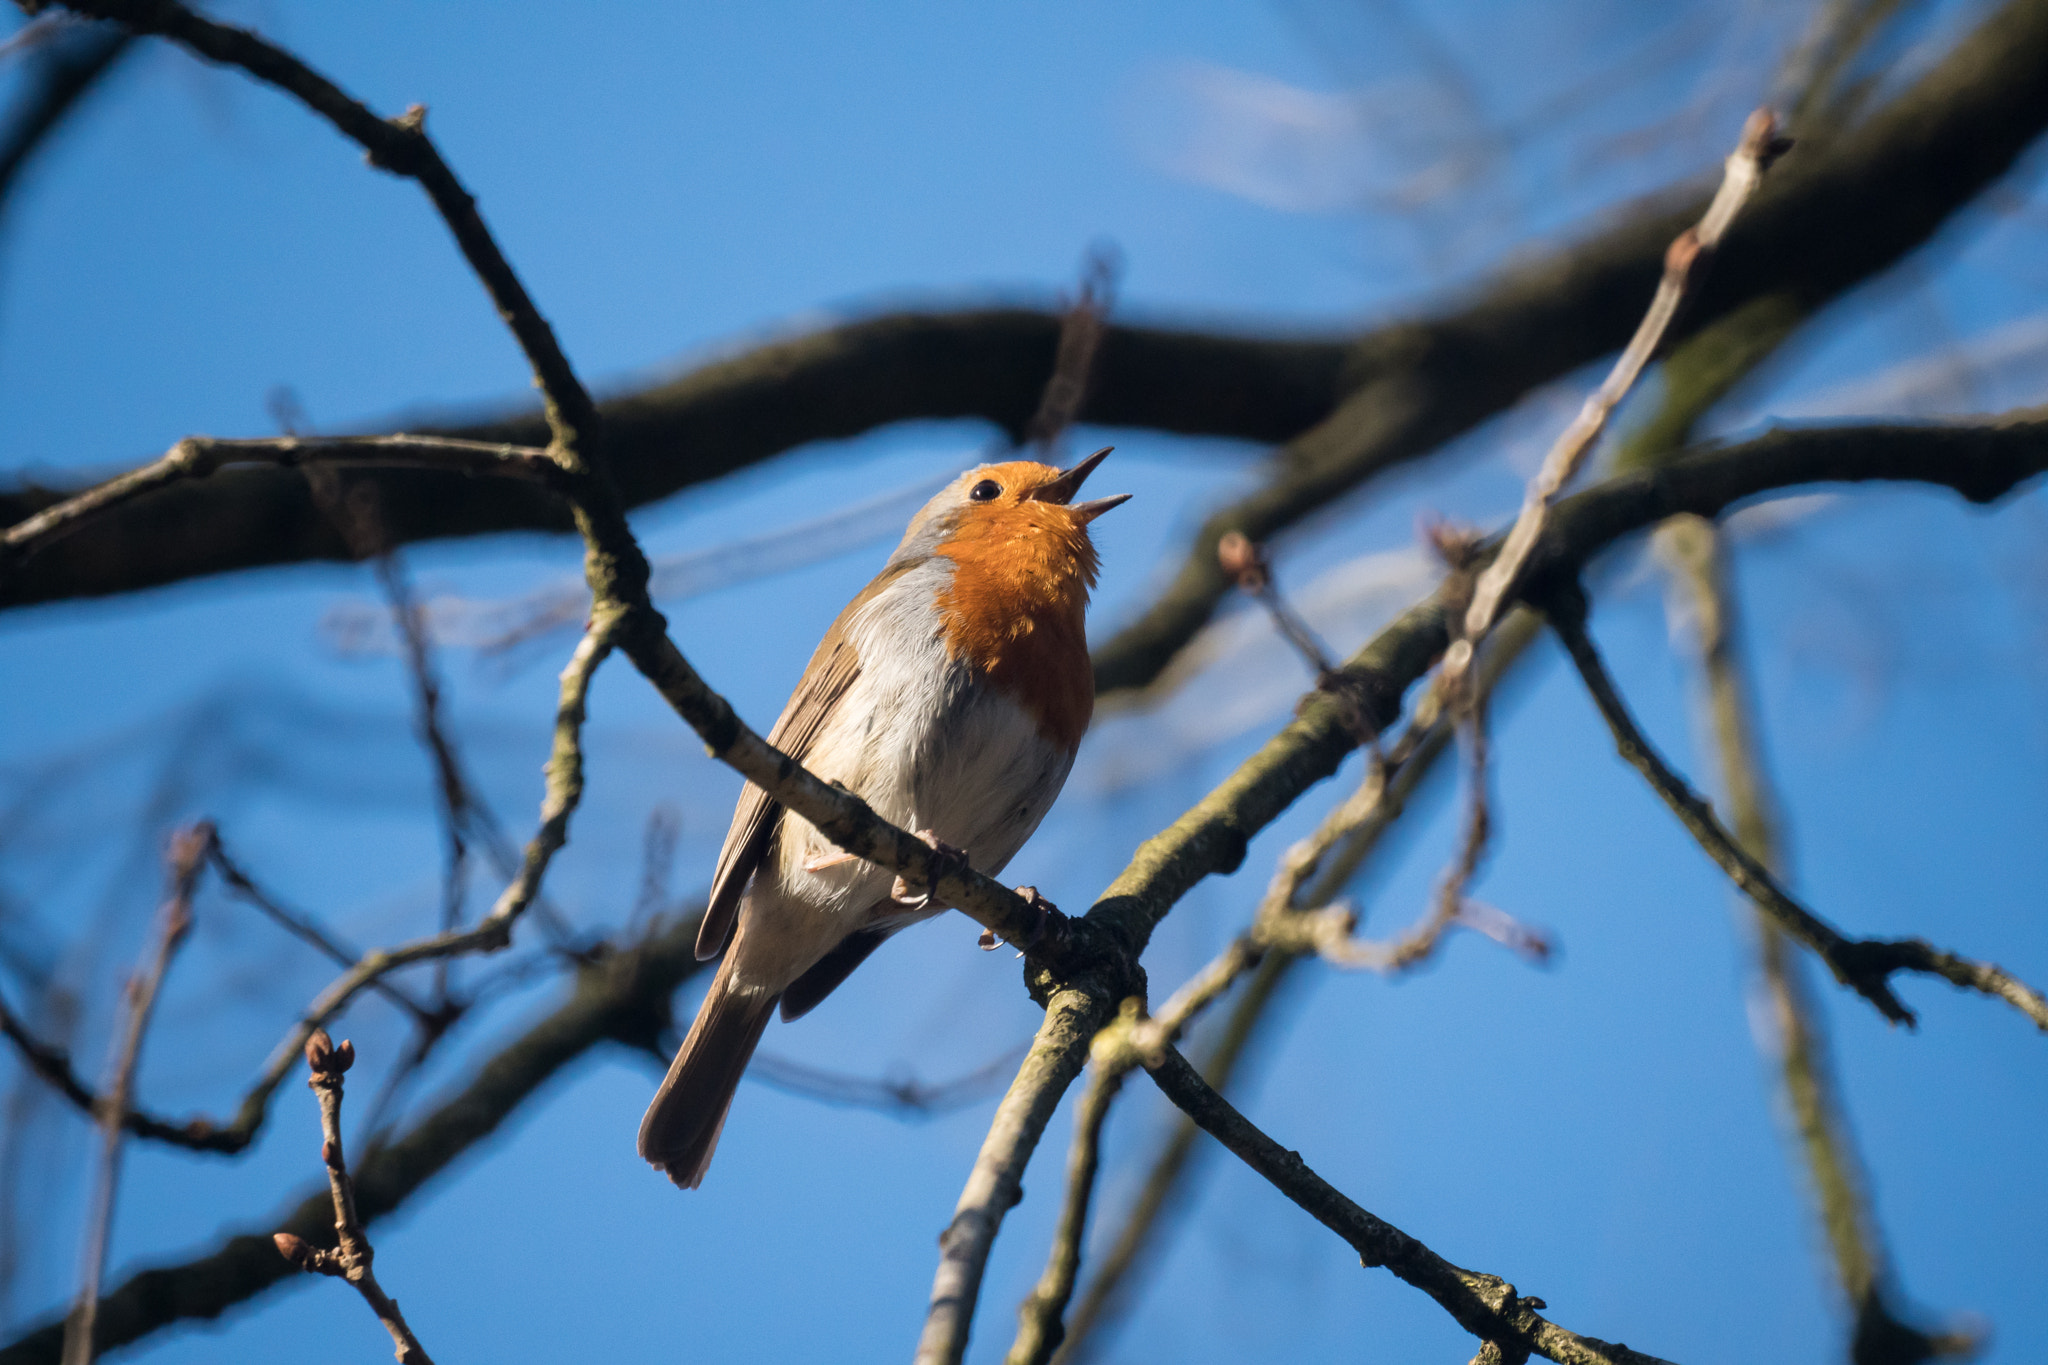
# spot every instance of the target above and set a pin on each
(930, 747)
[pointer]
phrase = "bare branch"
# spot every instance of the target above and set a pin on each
(64, 68)
(1040, 1329)
(1684, 267)
(200, 457)
(53, 1064)
(996, 1183)
(1357, 406)
(1484, 1305)
(621, 996)
(494, 931)
(1684, 264)
(351, 1260)
(1074, 362)
(1110, 1287)
(904, 1097)
(1863, 965)
(302, 926)
(186, 859)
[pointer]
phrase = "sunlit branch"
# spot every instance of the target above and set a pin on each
(996, 1182)
(1684, 265)
(1039, 1320)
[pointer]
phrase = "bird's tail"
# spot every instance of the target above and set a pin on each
(682, 1125)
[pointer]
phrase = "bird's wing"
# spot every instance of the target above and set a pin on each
(832, 670)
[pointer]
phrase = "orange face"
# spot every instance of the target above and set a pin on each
(1017, 601)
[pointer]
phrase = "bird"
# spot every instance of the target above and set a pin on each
(951, 695)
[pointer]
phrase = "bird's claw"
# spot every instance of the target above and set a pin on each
(1044, 909)
(946, 859)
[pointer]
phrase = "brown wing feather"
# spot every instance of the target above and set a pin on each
(833, 667)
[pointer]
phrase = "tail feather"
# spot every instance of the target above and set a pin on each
(681, 1129)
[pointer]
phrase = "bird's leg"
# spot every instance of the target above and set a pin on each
(818, 862)
(945, 859)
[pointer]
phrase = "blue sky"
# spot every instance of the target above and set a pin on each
(672, 182)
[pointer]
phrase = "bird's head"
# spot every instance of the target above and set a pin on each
(1019, 516)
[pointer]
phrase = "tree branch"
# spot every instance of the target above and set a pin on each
(1863, 965)
(1484, 1305)
(352, 1259)
(1684, 265)
(1701, 603)
(1109, 1288)
(64, 70)
(1841, 215)
(727, 415)
(622, 996)
(1039, 1326)
(186, 860)
(996, 1182)
(200, 457)
(1355, 407)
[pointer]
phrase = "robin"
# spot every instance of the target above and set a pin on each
(951, 695)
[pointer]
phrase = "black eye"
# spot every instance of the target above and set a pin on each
(985, 491)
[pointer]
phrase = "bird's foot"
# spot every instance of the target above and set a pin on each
(945, 859)
(1045, 910)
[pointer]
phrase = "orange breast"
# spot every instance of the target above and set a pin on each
(1017, 609)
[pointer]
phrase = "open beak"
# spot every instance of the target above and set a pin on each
(1086, 512)
(1062, 489)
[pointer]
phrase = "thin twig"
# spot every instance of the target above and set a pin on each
(1111, 1286)
(904, 1097)
(1684, 265)
(1081, 328)
(351, 1259)
(1281, 932)
(186, 858)
(1701, 602)
(621, 996)
(53, 1065)
(197, 457)
(301, 926)
(494, 931)
(1040, 1328)
(996, 1183)
(450, 788)
(1484, 1305)
(1863, 965)
(1247, 564)
(358, 514)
